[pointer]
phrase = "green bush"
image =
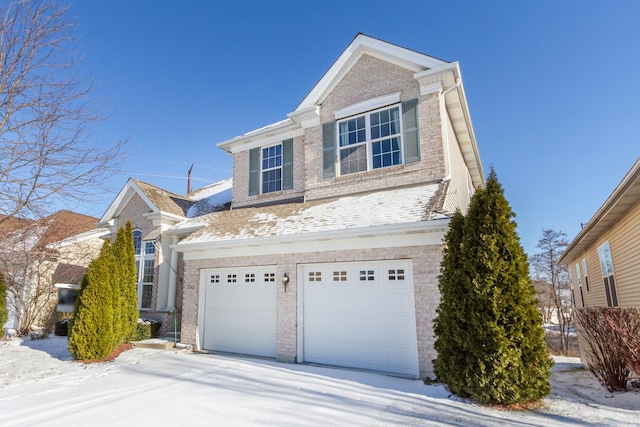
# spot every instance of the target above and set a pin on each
(147, 329)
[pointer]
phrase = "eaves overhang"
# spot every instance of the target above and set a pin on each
(622, 199)
(350, 234)
(270, 134)
(441, 79)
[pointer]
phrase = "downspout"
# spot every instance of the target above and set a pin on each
(173, 276)
(445, 128)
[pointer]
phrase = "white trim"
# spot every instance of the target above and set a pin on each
(367, 105)
(369, 141)
(285, 129)
(414, 234)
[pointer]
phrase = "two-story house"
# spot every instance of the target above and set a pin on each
(331, 250)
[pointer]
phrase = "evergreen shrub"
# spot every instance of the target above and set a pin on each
(147, 329)
(489, 335)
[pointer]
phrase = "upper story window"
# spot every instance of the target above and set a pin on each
(370, 141)
(606, 264)
(271, 168)
(374, 139)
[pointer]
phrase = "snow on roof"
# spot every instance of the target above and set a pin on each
(397, 206)
(212, 198)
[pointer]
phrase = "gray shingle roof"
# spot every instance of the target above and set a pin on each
(390, 207)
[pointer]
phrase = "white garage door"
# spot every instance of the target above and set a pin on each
(240, 310)
(361, 315)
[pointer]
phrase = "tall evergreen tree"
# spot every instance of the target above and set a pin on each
(4, 315)
(91, 334)
(126, 285)
(491, 304)
(452, 321)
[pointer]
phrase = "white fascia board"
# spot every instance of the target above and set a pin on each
(397, 235)
(183, 231)
(164, 218)
(306, 117)
(620, 195)
(367, 105)
(123, 197)
(267, 135)
(428, 81)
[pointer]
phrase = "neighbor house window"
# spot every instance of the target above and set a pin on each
(145, 266)
(606, 264)
(579, 281)
(271, 168)
(584, 271)
(370, 141)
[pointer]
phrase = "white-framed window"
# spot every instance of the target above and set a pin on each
(584, 272)
(370, 141)
(606, 264)
(579, 281)
(145, 252)
(272, 169)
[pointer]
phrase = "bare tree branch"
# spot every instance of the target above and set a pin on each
(47, 150)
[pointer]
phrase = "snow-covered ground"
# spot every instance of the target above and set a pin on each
(41, 386)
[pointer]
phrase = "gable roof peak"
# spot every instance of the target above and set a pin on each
(363, 44)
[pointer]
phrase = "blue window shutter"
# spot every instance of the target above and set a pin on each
(254, 171)
(411, 135)
(287, 164)
(328, 150)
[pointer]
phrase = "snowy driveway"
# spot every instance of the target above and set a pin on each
(152, 387)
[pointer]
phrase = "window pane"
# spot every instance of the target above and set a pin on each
(386, 153)
(147, 274)
(352, 131)
(149, 248)
(137, 240)
(614, 293)
(272, 180)
(146, 296)
(353, 159)
(607, 291)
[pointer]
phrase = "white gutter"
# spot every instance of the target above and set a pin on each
(445, 127)
(342, 234)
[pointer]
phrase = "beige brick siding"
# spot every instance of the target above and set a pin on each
(240, 196)
(426, 267)
(371, 77)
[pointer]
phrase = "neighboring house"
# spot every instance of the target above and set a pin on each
(604, 260)
(331, 251)
(37, 254)
(152, 211)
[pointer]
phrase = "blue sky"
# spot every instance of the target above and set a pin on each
(552, 86)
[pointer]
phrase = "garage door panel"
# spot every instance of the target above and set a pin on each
(360, 315)
(240, 311)
(399, 301)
